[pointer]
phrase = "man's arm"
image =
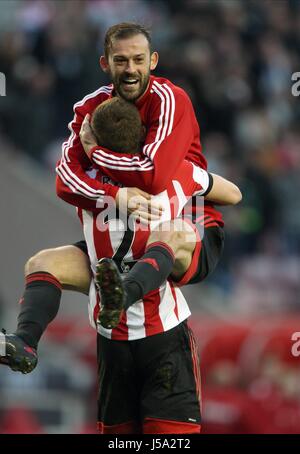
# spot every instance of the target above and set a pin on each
(170, 134)
(196, 181)
(223, 192)
(74, 185)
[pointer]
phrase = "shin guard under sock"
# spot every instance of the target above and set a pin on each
(149, 272)
(38, 306)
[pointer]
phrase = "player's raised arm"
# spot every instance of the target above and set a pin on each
(74, 185)
(223, 192)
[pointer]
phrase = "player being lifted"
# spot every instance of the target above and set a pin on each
(117, 125)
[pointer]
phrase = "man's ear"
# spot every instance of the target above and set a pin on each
(153, 60)
(104, 64)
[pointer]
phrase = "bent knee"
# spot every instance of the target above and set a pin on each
(42, 261)
(68, 264)
(179, 235)
(183, 259)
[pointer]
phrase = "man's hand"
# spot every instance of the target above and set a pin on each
(134, 201)
(87, 136)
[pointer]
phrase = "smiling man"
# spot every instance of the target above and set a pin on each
(128, 63)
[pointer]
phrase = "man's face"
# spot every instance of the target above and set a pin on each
(129, 65)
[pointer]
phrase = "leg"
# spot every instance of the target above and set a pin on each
(181, 237)
(206, 256)
(68, 264)
(171, 395)
(169, 250)
(118, 388)
(177, 249)
(197, 250)
(169, 246)
(46, 274)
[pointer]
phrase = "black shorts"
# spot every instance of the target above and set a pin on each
(82, 246)
(150, 385)
(206, 256)
(211, 251)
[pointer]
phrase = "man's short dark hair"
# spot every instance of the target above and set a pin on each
(122, 31)
(117, 126)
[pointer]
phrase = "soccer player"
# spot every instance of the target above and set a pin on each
(149, 378)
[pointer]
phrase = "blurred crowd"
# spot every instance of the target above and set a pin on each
(235, 59)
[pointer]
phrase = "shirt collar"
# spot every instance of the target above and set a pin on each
(146, 94)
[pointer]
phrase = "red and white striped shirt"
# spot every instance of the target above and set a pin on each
(172, 135)
(107, 235)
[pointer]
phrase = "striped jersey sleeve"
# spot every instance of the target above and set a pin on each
(73, 184)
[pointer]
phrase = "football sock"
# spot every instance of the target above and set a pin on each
(149, 272)
(38, 306)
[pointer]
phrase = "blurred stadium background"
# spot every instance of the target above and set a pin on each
(235, 59)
